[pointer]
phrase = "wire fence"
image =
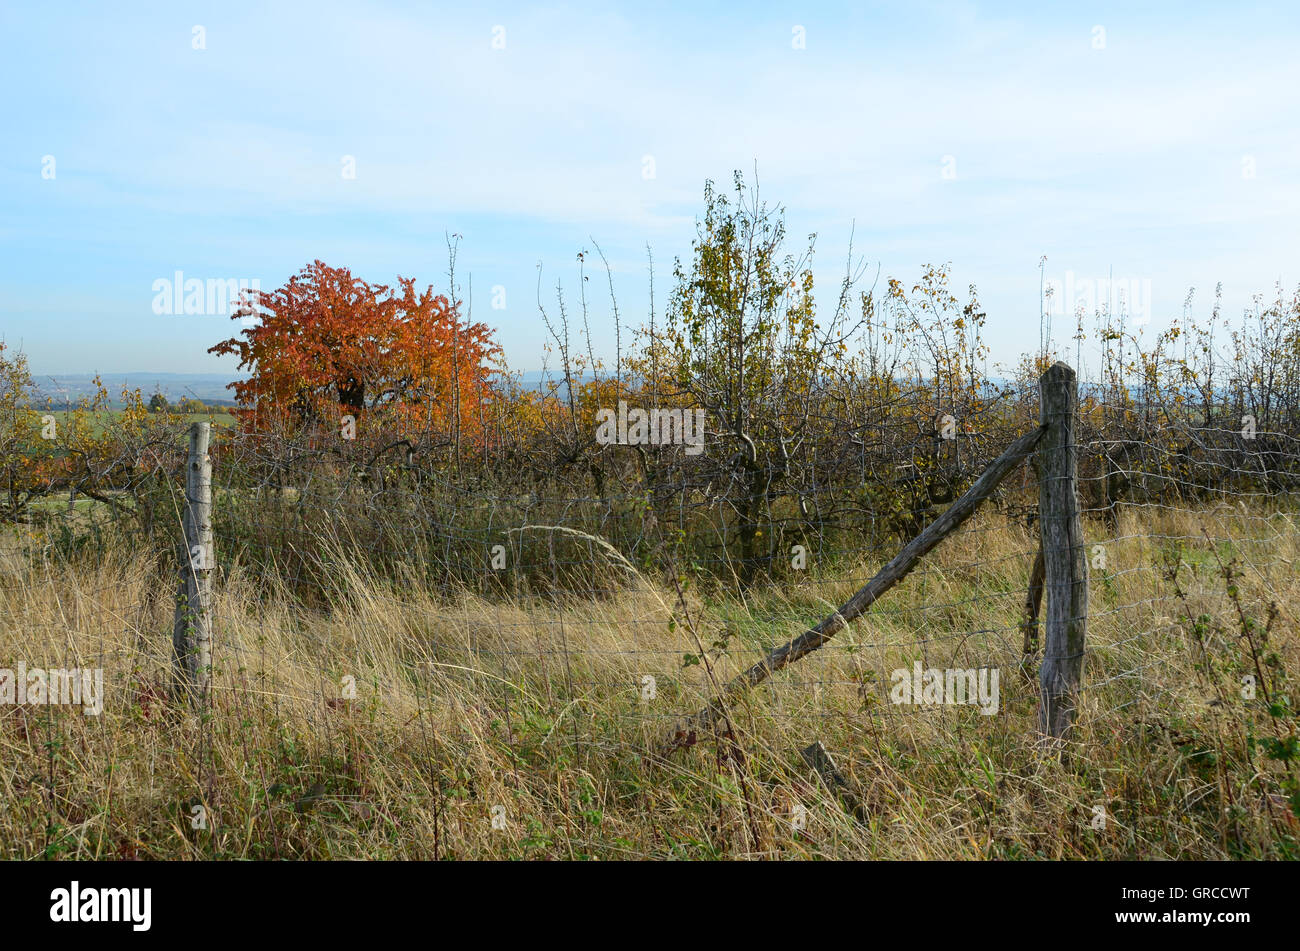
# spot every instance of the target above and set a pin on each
(615, 593)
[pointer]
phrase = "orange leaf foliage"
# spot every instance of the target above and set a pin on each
(328, 344)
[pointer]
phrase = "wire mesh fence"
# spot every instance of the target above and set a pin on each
(580, 609)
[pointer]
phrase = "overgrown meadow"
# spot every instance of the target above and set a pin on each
(454, 618)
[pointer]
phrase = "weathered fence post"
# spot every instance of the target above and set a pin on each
(192, 634)
(1065, 562)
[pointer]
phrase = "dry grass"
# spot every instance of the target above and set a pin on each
(463, 705)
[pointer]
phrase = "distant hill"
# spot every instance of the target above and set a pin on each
(210, 388)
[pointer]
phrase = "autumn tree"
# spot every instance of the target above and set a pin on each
(328, 344)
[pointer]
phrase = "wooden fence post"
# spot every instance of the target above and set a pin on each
(1065, 562)
(192, 633)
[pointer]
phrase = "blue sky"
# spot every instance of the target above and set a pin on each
(1169, 153)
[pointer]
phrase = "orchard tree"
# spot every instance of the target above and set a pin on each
(742, 342)
(328, 344)
(22, 459)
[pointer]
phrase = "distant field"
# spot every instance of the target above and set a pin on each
(218, 416)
